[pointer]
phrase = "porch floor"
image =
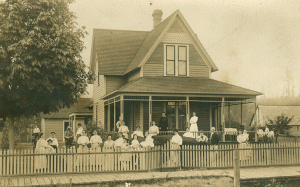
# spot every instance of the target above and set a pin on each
(247, 174)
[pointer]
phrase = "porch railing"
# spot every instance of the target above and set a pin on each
(27, 162)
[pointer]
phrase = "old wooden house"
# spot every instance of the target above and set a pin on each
(141, 74)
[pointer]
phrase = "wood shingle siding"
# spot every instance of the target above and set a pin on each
(113, 83)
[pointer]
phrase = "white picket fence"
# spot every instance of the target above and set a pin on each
(27, 162)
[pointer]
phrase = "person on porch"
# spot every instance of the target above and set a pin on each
(124, 129)
(188, 134)
(137, 132)
(96, 140)
(149, 142)
(202, 138)
(118, 124)
(153, 131)
(119, 141)
(54, 143)
(163, 122)
(135, 142)
(109, 143)
(193, 122)
(68, 137)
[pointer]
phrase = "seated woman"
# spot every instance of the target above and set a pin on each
(148, 141)
(135, 143)
(154, 130)
(138, 132)
(188, 134)
(124, 129)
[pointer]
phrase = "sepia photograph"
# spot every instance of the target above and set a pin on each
(140, 93)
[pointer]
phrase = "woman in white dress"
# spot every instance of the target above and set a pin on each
(243, 139)
(108, 147)
(96, 141)
(153, 130)
(149, 142)
(40, 161)
(176, 142)
(135, 142)
(82, 141)
(188, 134)
(193, 122)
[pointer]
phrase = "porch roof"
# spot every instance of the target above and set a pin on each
(182, 85)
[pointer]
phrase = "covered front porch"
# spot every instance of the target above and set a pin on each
(142, 109)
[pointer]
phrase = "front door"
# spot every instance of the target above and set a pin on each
(176, 114)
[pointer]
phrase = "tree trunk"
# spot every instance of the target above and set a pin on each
(11, 133)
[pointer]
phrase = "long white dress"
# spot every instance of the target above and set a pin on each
(193, 122)
(242, 139)
(40, 161)
(149, 142)
(176, 141)
(154, 130)
(95, 157)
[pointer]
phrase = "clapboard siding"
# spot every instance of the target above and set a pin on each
(199, 71)
(55, 125)
(153, 70)
(113, 83)
(202, 111)
(137, 114)
(128, 114)
(195, 58)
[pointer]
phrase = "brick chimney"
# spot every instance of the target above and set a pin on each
(157, 16)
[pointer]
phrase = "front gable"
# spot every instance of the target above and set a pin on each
(177, 35)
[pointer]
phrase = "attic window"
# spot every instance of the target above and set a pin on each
(176, 60)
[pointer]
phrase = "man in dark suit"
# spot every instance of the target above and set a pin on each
(163, 122)
(214, 137)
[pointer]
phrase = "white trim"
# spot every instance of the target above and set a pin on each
(176, 59)
(64, 128)
(142, 71)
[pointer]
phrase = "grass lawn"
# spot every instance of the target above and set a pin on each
(185, 182)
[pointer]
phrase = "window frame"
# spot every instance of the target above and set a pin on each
(176, 59)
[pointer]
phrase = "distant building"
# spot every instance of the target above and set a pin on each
(265, 112)
(80, 112)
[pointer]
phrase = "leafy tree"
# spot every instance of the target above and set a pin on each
(41, 66)
(280, 125)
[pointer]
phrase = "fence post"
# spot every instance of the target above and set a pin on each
(236, 169)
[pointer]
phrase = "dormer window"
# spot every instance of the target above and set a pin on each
(176, 60)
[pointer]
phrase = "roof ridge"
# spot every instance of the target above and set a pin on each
(119, 30)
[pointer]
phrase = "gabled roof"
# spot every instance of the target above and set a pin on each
(120, 52)
(156, 35)
(271, 112)
(83, 105)
(115, 49)
(184, 85)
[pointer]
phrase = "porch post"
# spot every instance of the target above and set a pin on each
(150, 110)
(187, 111)
(122, 107)
(141, 115)
(108, 117)
(210, 116)
(228, 114)
(241, 112)
(222, 118)
(114, 114)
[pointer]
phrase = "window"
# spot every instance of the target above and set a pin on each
(176, 60)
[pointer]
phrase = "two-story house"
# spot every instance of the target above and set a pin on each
(141, 74)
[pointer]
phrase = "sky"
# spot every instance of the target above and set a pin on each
(254, 43)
